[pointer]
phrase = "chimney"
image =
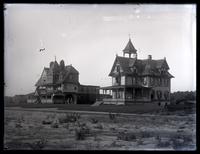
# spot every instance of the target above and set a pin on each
(149, 57)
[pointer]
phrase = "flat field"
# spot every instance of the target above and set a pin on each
(54, 130)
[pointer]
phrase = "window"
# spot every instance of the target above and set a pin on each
(134, 70)
(118, 68)
(70, 76)
(133, 80)
(166, 95)
(151, 80)
(159, 81)
(167, 82)
(144, 81)
(159, 94)
(117, 79)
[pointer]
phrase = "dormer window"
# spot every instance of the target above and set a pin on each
(133, 69)
(118, 68)
(162, 71)
(144, 80)
(70, 77)
(151, 80)
(117, 80)
(159, 81)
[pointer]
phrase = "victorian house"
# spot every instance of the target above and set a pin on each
(138, 80)
(60, 84)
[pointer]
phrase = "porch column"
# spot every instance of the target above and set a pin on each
(74, 99)
(124, 92)
(133, 93)
(142, 92)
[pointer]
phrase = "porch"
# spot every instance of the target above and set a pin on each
(127, 94)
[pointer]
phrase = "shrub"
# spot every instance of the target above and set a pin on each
(126, 136)
(163, 144)
(69, 117)
(94, 121)
(114, 144)
(112, 128)
(158, 138)
(187, 140)
(145, 134)
(55, 124)
(81, 132)
(177, 142)
(66, 126)
(49, 119)
(46, 122)
(39, 144)
(140, 141)
(112, 116)
(18, 125)
(99, 126)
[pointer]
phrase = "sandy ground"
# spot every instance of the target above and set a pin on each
(27, 130)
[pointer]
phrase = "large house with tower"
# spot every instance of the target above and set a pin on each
(138, 80)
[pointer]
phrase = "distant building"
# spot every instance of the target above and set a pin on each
(138, 80)
(60, 84)
(19, 99)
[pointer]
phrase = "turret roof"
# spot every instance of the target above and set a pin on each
(129, 48)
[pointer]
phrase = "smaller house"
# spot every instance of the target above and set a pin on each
(59, 84)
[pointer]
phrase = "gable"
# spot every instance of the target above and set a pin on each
(165, 65)
(46, 78)
(117, 66)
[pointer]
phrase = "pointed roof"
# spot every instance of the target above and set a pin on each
(47, 78)
(129, 48)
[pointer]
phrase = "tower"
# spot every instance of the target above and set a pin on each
(130, 49)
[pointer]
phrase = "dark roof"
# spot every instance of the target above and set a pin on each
(55, 68)
(142, 66)
(68, 70)
(129, 48)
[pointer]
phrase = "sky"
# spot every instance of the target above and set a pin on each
(89, 37)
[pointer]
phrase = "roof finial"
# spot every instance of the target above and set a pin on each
(55, 58)
(129, 35)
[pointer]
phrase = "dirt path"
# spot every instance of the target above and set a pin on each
(55, 110)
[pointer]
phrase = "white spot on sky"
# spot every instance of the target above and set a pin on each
(41, 43)
(95, 6)
(137, 11)
(63, 34)
(131, 16)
